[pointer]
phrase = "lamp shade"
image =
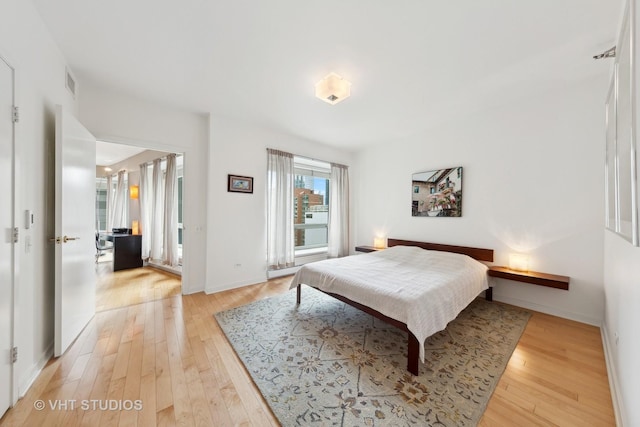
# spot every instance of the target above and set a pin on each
(135, 227)
(519, 262)
(134, 192)
(333, 89)
(379, 242)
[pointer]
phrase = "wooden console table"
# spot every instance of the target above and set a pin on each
(367, 249)
(532, 277)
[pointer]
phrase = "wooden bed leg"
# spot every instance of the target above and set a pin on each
(488, 294)
(413, 358)
(298, 294)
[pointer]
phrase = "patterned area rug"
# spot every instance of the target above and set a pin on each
(326, 363)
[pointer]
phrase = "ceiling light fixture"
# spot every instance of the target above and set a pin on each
(333, 89)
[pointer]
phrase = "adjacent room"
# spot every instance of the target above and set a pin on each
(360, 213)
(134, 192)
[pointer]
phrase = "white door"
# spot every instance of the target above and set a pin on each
(6, 230)
(75, 279)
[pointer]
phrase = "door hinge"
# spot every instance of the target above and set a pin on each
(16, 114)
(16, 234)
(14, 354)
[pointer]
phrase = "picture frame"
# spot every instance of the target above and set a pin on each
(439, 193)
(239, 184)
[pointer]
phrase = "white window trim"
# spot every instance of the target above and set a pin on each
(313, 168)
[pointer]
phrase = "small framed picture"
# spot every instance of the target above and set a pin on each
(240, 184)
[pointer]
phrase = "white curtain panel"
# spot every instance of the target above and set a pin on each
(157, 212)
(170, 242)
(338, 245)
(146, 192)
(109, 203)
(280, 179)
(120, 217)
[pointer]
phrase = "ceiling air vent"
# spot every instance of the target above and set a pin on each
(70, 82)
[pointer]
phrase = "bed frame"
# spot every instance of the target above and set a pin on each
(413, 357)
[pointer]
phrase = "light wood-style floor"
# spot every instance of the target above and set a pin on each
(167, 351)
(131, 287)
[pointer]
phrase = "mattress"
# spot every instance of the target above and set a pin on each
(422, 288)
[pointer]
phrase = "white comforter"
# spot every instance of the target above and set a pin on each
(421, 288)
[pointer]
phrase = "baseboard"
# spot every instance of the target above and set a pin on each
(299, 262)
(234, 285)
(186, 291)
(36, 369)
(167, 268)
(612, 374)
(272, 274)
(548, 310)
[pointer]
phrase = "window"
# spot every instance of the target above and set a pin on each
(101, 204)
(103, 195)
(180, 176)
(124, 220)
(311, 204)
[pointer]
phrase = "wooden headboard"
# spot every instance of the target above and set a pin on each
(476, 253)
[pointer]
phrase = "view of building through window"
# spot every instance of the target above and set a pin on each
(311, 204)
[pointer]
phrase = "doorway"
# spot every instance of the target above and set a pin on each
(121, 196)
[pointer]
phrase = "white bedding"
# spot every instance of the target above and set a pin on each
(423, 289)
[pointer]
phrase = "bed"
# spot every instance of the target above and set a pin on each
(416, 290)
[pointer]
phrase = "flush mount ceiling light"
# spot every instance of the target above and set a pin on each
(333, 89)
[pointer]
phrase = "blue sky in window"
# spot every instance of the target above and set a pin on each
(320, 187)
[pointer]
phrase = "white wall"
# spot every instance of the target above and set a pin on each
(236, 235)
(121, 118)
(532, 182)
(40, 67)
(622, 294)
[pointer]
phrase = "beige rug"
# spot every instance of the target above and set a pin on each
(325, 363)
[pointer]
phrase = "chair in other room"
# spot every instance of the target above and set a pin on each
(102, 247)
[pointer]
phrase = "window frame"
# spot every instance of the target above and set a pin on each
(102, 190)
(314, 169)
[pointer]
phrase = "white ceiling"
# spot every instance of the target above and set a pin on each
(413, 63)
(108, 154)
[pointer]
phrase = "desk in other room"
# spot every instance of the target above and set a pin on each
(127, 250)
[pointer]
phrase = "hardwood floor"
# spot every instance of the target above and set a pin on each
(130, 287)
(166, 353)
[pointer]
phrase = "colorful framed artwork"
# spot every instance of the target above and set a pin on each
(439, 193)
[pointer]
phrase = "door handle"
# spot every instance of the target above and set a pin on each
(64, 239)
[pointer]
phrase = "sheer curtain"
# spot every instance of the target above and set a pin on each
(280, 244)
(157, 212)
(170, 241)
(146, 191)
(109, 203)
(338, 244)
(120, 213)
